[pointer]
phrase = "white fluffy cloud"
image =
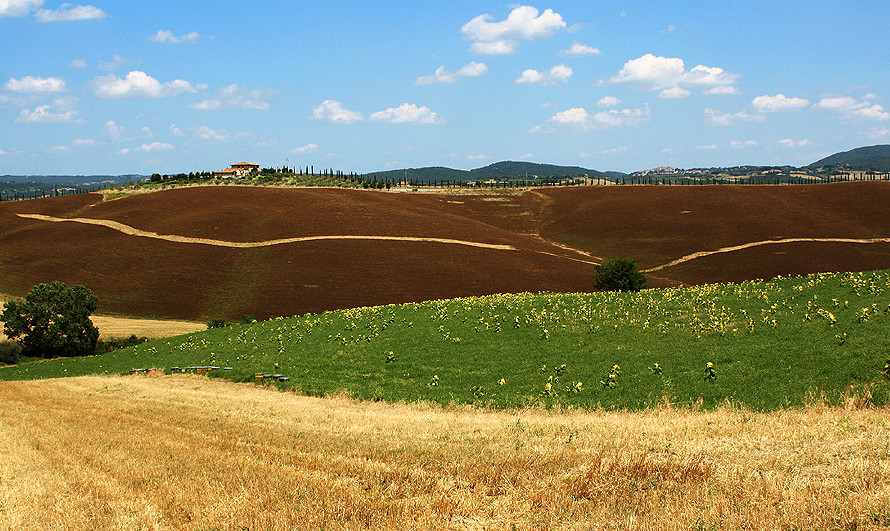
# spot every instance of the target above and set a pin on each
(740, 144)
(334, 112)
(116, 62)
(789, 143)
(140, 85)
(674, 93)
(308, 148)
(608, 101)
(169, 36)
(713, 117)
(652, 72)
(580, 49)
(853, 109)
(206, 133)
(35, 85)
(17, 8)
(70, 12)
(523, 23)
(78, 63)
(472, 69)
(406, 113)
(235, 95)
(115, 132)
(777, 103)
(556, 75)
(59, 111)
(579, 119)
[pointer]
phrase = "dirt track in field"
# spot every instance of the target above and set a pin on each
(132, 231)
(702, 254)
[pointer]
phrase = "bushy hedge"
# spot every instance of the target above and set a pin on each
(9, 352)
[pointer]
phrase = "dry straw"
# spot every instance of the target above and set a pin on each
(185, 452)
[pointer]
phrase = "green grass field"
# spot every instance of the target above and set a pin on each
(773, 344)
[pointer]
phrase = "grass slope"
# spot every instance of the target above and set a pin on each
(774, 344)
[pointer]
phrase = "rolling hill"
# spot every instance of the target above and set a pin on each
(873, 158)
(499, 170)
(225, 251)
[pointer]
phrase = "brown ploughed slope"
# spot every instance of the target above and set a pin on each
(150, 277)
(659, 224)
(436, 246)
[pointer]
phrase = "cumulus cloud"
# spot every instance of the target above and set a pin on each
(206, 133)
(168, 36)
(154, 146)
(740, 144)
(778, 103)
(116, 62)
(406, 113)
(115, 132)
(78, 63)
(674, 93)
(140, 85)
(59, 111)
(852, 108)
(789, 143)
(708, 147)
(472, 69)
(235, 96)
(334, 112)
(651, 72)
(69, 12)
(580, 49)
(176, 131)
(713, 117)
(35, 85)
(722, 90)
(608, 101)
(579, 119)
(556, 75)
(308, 148)
(523, 23)
(17, 8)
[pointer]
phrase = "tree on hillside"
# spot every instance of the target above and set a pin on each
(619, 274)
(53, 321)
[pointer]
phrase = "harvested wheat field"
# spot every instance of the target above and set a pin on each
(193, 453)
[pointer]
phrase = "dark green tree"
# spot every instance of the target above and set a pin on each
(53, 321)
(619, 274)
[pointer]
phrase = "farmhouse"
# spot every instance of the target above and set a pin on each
(237, 171)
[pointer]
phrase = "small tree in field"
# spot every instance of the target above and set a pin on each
(53, 321)
(619, 274)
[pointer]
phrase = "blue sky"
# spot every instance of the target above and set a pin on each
(142, 87)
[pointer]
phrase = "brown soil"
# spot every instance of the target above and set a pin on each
(555, 235)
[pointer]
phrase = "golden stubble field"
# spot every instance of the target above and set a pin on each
(187, 452)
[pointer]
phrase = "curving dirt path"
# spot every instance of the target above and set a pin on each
(132, 231)
(702, 254)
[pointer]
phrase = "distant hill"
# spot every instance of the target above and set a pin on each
(875, 158)
(498, 170)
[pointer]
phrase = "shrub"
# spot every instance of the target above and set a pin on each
(117, 343)
(53, 321)
(619, 274)
(9, 352)
(216, 323)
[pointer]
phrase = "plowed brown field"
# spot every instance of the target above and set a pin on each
(436, 245)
